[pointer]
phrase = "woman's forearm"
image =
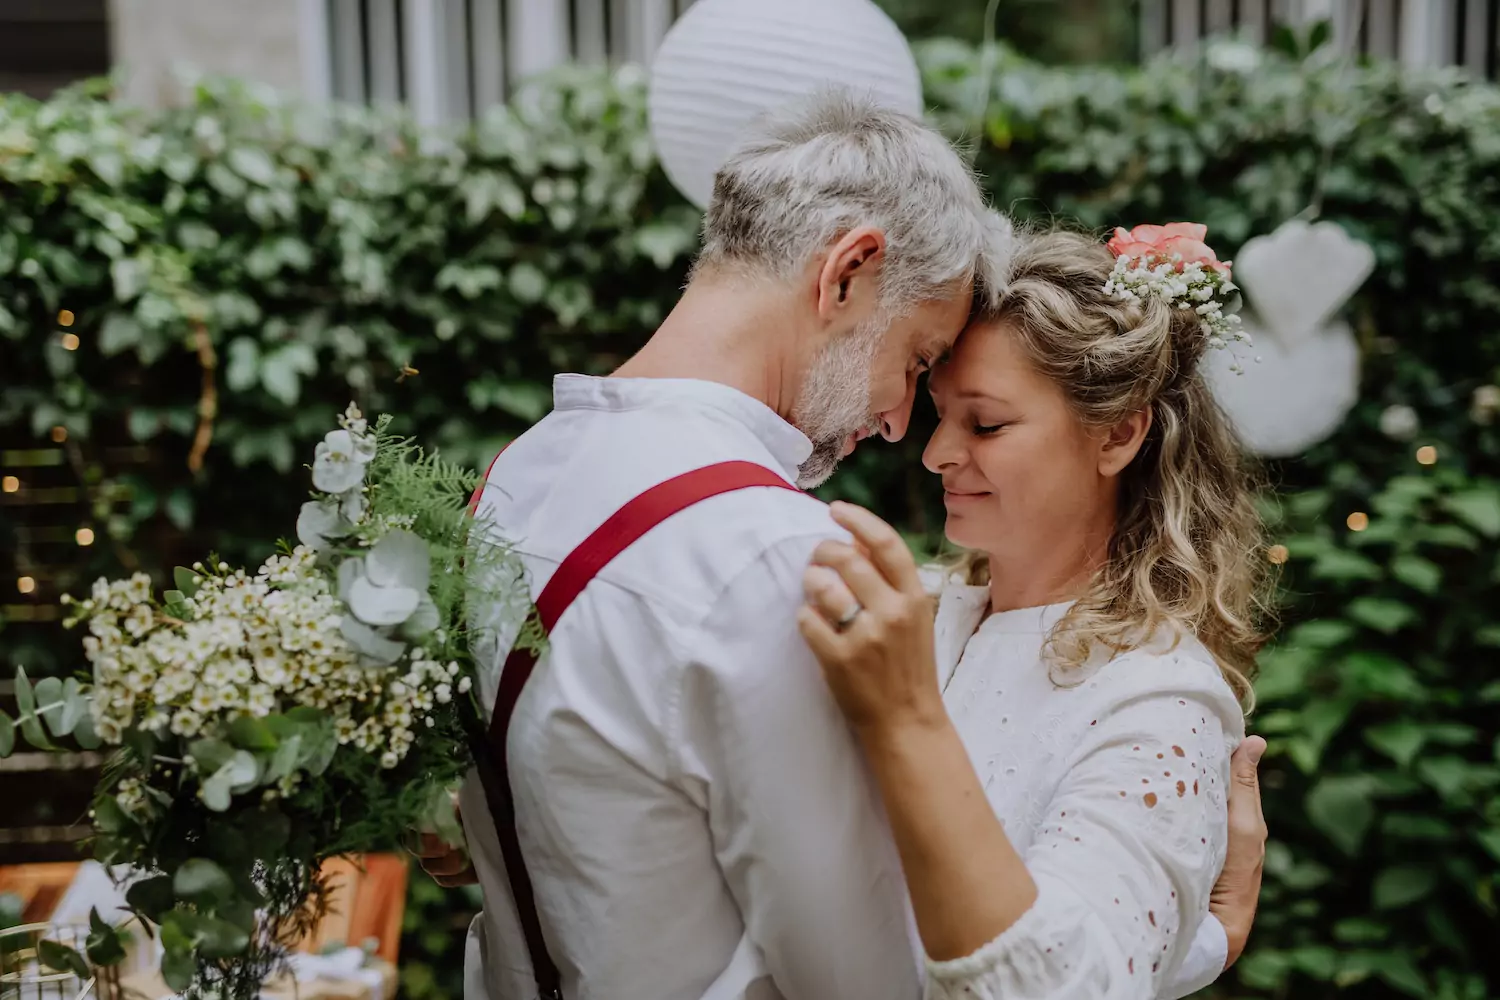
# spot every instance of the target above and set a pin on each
(967, 883)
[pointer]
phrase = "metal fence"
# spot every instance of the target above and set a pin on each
(450, 59)
(1418, 33)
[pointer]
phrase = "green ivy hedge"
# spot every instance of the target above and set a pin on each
(290, 259)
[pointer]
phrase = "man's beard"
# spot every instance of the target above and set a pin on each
(835, 400)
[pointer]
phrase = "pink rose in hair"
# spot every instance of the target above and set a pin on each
(1184, 239)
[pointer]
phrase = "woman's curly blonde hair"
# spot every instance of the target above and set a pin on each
(1187, 552)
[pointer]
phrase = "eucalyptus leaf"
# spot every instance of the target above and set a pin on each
(250, 733)
(151, 896)
(7, 735)
(202, 881)
(61, 958)
(178, 967)
(218, 938)
(75, 708)
(84, 734)
(30, 724)
(217, 789)
(104, 945)
(49, 700)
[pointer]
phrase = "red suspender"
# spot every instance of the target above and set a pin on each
(611, 538)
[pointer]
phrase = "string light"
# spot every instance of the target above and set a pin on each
(1277, 554)
(85, 536)
(1358, 521)
(70, 342)
(1427, 455)
(26, 585)
(10, 484)
(65, 317)
(59, 434)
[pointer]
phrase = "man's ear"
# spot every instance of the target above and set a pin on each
(850, 271)
(1123, 442)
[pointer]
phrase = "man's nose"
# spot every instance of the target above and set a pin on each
(894, 422)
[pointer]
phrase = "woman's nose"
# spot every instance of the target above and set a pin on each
(943, 451)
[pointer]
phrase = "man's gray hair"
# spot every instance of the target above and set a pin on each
(811, 172)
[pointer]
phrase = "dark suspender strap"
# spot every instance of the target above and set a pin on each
(611, 538)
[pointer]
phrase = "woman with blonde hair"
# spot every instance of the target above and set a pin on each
(1053, 750)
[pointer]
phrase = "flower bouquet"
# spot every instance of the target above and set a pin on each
(263, 722)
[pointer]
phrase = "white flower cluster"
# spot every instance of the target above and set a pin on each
(249, 645)
(1190, 285)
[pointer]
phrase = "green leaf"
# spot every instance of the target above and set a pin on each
(1400, 741)
(243, 368)
(202, 881)
(253, 164)
(1490, 841)
(104, 944)
(178, 967)
(120, 332)
(288, 755)
(281, 371)
(75, 708)
(1448, 774)
(1478, 508)
(217, 791)
(244, 771)
(179, 509)
(31, 726)
(49, 699)
(1401, 886)
(7, 735)
(1381, 614)
(109, 817)
(210, 755)
(84, 734)
(250, 733)
(1340, 807)
(152, 896)
(1360, 930)
(61, 958)
(1321, 633)
(186, 580)
(527, 283)
(1320, 720)
(219, 938)
(1421, 575)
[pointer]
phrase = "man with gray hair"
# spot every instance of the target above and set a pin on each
(680, 812)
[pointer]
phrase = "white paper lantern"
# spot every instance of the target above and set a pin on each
(727, 61)
(1297, 395)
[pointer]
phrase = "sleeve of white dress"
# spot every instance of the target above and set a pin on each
(1204, 962)
(793, 813)
(1128, 847)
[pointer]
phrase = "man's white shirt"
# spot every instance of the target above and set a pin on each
(696, 818)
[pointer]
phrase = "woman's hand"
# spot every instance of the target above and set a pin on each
(869, 622)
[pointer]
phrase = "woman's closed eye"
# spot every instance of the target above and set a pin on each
(984, 430)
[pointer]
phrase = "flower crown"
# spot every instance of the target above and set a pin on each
(1173, 264)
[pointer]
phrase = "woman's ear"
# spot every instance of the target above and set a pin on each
(1123, 443)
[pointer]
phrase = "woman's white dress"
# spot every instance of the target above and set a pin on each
(1113, 788)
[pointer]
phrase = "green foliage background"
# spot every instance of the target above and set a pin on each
(320, 254)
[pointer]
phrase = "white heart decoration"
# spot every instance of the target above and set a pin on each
(1295, 396)
(1298, 277)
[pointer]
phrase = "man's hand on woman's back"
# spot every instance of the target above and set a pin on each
(1236, 893)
